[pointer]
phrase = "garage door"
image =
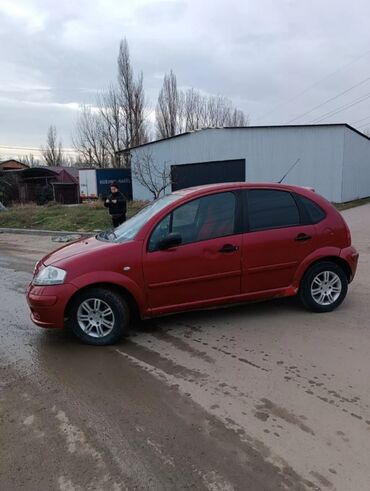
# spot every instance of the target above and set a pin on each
(188, 175)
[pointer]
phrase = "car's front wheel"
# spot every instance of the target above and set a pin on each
(324, 287)
(99, 316)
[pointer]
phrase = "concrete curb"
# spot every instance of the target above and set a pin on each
(47, 233)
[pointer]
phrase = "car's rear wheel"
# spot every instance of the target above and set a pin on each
(324, 287)
(99, 316)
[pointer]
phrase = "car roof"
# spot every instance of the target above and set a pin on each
(226, 186)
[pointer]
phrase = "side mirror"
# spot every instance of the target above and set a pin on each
(172, 240)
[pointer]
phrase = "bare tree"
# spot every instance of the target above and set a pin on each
(203, 111)
(132, 99)
(29, 160)
(216, 111)
(72, 161)
(140, 114)
(193, 110)
(238, 118)
(179, 111)
(117, 121)
(53, 152)
(169, 109)
(90, 139)
(154, 177)
(113, 128)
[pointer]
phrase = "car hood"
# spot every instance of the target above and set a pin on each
(82, 246)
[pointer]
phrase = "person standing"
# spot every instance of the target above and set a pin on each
(116, 204)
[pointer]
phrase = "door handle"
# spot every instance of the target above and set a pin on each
(227, 248)
(302, 237)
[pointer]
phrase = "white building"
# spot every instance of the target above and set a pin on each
(334, 159)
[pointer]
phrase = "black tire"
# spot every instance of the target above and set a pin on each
(314, 288)
(99, 335)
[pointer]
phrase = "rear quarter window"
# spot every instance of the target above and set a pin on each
(315, 213)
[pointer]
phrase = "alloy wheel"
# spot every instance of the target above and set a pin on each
(326, 288)
(95, 317)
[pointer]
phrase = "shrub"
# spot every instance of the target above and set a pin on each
(44, 195)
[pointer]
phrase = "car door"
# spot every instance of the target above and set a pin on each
(206, 265)
(276, 241)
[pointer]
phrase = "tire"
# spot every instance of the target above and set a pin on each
(99, 317)
(323, 287)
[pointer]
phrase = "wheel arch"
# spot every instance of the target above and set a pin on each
(332, 254)
(113, 287)
(333, 259)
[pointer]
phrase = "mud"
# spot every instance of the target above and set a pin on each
(260, 397)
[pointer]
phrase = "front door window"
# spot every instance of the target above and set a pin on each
(201, 219)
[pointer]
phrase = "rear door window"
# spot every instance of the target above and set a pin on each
(269, 208)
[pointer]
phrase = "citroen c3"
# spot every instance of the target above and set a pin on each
(197, 248)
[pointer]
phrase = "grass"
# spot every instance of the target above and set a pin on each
(87, 217)
(352, 204)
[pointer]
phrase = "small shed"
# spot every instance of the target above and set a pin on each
(42, 184)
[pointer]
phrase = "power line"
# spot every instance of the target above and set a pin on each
(19, 148)
(359, 120)
(32, 149)
(329, 100)
(365, 124)
(287, 101)
(341, 108)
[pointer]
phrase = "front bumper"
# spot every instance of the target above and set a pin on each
(48, 304)
(350, 255)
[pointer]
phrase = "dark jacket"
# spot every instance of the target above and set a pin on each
(116, 204)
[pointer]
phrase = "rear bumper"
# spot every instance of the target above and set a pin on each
(350, 255)
(48, 304)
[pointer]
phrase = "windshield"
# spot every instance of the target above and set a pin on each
(129, 229)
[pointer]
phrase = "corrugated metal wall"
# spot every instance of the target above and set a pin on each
(356, 168)
(269, 152)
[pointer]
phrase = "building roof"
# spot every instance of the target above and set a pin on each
(72, 171)
(63, 174)
(247, 128)
(12, 164)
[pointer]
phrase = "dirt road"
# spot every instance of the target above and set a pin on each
(260, 397)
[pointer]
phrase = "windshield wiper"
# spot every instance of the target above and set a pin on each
(106, 235)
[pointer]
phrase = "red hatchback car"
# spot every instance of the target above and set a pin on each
(197, 248)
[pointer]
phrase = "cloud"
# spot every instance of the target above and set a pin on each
(56, 56)
(31, 18)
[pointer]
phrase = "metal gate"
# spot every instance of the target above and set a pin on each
(189, 175)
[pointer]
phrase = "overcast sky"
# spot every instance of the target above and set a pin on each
(55, 55)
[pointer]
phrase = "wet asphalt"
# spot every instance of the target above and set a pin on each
(260, 397)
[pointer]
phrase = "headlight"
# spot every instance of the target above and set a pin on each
(37, 267)
(50, 276)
